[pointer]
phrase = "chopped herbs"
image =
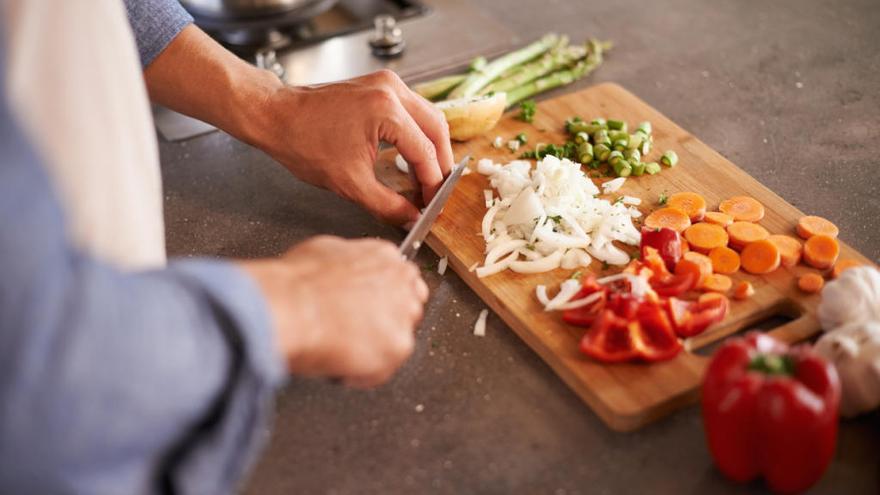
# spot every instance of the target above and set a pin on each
(527, 111)
(576, 275)
(522, 138)
(663, 199)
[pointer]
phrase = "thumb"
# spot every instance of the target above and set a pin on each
(386, 204)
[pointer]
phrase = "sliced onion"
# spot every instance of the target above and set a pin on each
(487, 195)
(485, 271)
(487, 223)
(541, 294)
(613, 185)
(538, 266)
(579, 303)
(503, 249)
(480, 325)
(442, 264)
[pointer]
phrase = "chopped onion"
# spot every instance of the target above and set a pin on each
(555, 209)
(538, 266)
(629, 200)
(486, 270)
(480, 325)
(503, 249)
(442, 264)
(613, 185)
(487, 194)
(578, 303)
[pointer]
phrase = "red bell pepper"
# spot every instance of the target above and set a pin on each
(666, 241)
(664, 283)
(770, 410)
(628, 330)
(694, 317)
(586, 315)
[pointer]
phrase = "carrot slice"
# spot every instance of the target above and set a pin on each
(790, 249)
(811, 225)
(744, 233)
(702, 265)
(821, 251)
(689, 202)
(743, 290)
(844, 265)
(717, 283)
(670, 218)
(685, 246)
(718, 218)
(743, 208)
(704, 237)
(811, 282)
(760, 257)
(724, 260)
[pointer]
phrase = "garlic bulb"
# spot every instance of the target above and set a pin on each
(854, 349)
(852, 298)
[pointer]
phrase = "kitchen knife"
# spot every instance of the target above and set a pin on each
(413, 241)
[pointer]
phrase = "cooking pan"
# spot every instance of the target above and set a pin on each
(244, 14)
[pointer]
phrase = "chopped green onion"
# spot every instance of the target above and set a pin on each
(602, 152)
(527, 111)
(614, 157)
(622, 168)
(581, 137)
(600, 122)
(585, 152)
(522, 138)
(632, 155)
(670, 158)
(601, 137)
(652, 168)
(638, 168)
(619, 145)
(617, 125)
(645, 128)
(635, 141)
(663, 199)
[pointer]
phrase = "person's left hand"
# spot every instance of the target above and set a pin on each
(328, 135)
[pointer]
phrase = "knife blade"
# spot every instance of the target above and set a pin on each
(413, 241)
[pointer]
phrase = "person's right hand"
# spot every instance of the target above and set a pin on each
(343, 309)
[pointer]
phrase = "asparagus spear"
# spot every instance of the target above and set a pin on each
(552, 61)
(477, 80)
(438, 88)
(561, 77)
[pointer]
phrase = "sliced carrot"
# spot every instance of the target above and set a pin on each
(844, 265)
(718, 218)
(760, 257)
(724, 260)
(702, 263)
(670, 218)
(743, 290)
(704, 237)
(744, 233)
(811, 282)
(811, 225)
(743, 208)
(790, 249)
(717, 283)
(821, 251)
(689, 202)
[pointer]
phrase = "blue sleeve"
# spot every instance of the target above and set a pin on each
(110, 383)
(155, 23)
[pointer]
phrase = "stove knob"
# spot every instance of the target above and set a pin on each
(387, 40)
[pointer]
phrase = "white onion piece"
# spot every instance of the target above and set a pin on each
(524, 209)
(567, 290)
(480, 325)
(401, 164)
(634, 213)
(579, 303)
(609, 253)
(487, 223)
(487, 194)
(538, 266)
(613, 185)
(541, 294)
(485, 271)
(503, 249)
(630, 200)
(442, 264)
(575, 258)
(486, 167)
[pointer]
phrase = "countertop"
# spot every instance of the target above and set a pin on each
(788, 90)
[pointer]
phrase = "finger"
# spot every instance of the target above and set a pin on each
(433, 124)
(420, 153)
(384, 203)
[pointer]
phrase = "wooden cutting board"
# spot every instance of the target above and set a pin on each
(625, 396)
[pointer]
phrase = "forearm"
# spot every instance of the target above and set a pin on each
(196, 76)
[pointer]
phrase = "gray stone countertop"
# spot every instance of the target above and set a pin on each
(788, 90)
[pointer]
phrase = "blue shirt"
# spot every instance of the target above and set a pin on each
(120, 383)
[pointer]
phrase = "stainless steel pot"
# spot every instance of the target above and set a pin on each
(243, 10)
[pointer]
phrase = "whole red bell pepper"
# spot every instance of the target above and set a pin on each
(770, 410)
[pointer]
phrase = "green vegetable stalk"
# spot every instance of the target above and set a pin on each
(556, 59)
(478, 80)
(437, 89)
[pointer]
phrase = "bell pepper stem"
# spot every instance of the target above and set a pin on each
(772, 364)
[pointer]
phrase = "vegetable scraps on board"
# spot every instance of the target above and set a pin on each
(771, 411)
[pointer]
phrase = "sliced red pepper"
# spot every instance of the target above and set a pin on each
(674, 285)
(609, 339)
(772, 411)
(656, 340)
(691, 318)
(586, 315)
(667, 242)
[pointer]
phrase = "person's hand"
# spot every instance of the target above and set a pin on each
(343, 309)
(328, 135)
